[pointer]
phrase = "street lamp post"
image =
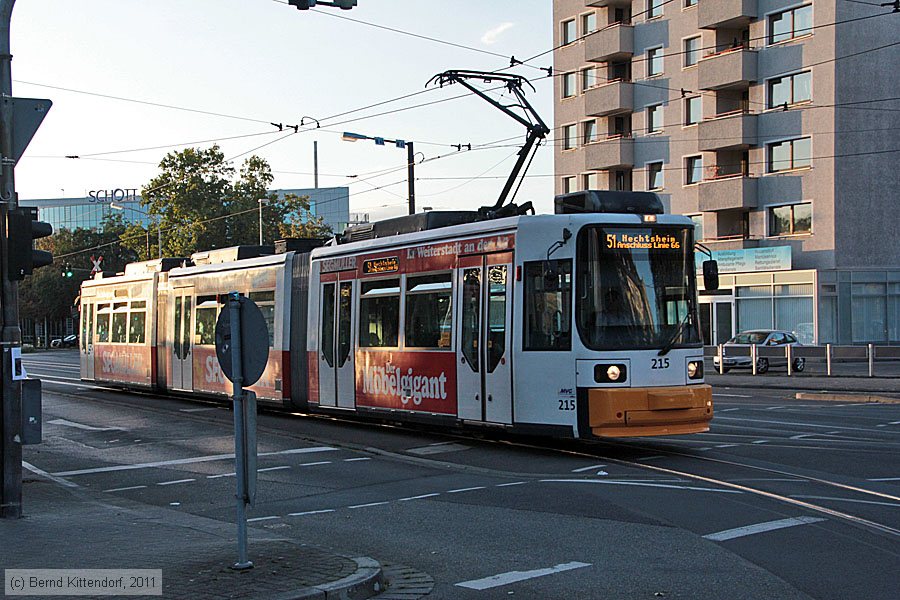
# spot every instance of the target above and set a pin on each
(410, 160)
(261, 202)
(158, 218)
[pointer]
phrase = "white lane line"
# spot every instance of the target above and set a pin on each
(722, 410)
(730, 534)
(67, 423)
(441, 448)
(255, 519)
(728, 446)
(803, 435)
(221, 475)
(193, 410)
(651, 457)
(515, 576)
(893, 504)
(273, 469)
(760, 442)
(642, 484)
(175, 482)
(355, 459)
(368, 505)
(775, 407)
(313, 464)
(311, 512)
(793, 424)
(52, 478)
(731, 396)
(879, 479)
(188, 461)
(468, 489)
(511, 484)
(590, 468)
(417, 497)
(126, 489)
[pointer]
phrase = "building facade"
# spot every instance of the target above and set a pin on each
(762, 120)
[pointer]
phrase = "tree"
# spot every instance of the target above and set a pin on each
(298, 220)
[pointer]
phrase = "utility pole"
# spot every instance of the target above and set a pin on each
(316, 164)
(411, 175)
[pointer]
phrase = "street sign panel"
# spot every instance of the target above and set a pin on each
(27, 115)
(254, 341)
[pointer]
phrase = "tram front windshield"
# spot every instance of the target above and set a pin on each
(636, 287)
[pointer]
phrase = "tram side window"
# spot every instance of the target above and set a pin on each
(379, 314)
(429, 313)
(103, 322)
(137, 322)
(548, 305)
(119, 323)
(266, 303)
(205, 329)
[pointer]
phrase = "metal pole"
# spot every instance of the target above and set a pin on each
(159, 236)
(411, 175)
(234, 306)
(11, 335)
(828, 359)
(315, 166)
(753, 357)
(789, 355)
(260, 223)
(871, 354)
(721, 351)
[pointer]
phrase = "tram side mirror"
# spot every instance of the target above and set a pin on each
(710, 275)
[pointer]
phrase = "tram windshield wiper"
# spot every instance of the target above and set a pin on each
(671, 341)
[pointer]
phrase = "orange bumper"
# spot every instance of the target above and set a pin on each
(626, 412)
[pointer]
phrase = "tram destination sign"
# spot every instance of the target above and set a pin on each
(390, 264)
(642, 241)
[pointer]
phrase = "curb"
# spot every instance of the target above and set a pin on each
(798, 384)
(367, 581)
(846, 397)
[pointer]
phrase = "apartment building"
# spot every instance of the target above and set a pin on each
(762, 120)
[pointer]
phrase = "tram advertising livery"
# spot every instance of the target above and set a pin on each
(582, 323)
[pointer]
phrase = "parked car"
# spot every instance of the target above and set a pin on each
(760, 337)
(69, 341)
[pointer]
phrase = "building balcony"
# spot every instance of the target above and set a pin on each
(733, 131)
(612, 153)
(605, 3)
(733, 68)
(609, 98)
(725, 14)
(728, 192)
(615, 42)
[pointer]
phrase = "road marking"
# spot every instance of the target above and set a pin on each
(590, 468)
(469, 489)
(775, 407)
(193, 410)
(894, 504)
(792, 424)
(273, 469)
(126, 489)
(53, 478)
(81, 386)
(728, 446)
(732, 396)
(515, 576)
(760, 442)
(368, 505)
(651, 457)
(803, 435)
(255, 519)
(642, 484)
(311, 512)
(175, 482)
(221, 475)
(730, 534)
(417, 497)
(355, 459)
(440, 448)
(879, 479)
(511, 484)
(188, 461)
(721, 410)
(313, 464)
(67, 423)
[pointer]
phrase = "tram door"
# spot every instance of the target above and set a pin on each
(337, 379)
(87, 340)
(182, 367)
(484, 370)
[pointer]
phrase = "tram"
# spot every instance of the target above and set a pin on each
(581, 323)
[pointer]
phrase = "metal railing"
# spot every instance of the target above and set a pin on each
(829, 354)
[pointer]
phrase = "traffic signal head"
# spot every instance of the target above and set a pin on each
(22, 228)
(67, 270)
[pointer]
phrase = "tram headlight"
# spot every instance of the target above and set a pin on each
(613, 373)
(607, 373)
(695, 369)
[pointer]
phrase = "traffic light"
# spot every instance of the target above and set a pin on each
(22, 228)
(67, 270)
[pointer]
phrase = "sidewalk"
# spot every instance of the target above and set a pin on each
(848, 385)
(66, 528)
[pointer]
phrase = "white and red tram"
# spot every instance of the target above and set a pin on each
(576, 324)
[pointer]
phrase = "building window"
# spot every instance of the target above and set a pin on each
(789, 154)
(790, 89)
(654, 62)
(589, 128)
(790, 24)
(692, 110)
(588, 78)
(568, 185)
(698, 227)
(655, 8)
(568, 31)
(568, 85)
(591, 181)
(570, 137)
(588, 23)
(693, 169)
(691, 51)
(794, 219)
(690, 3)
(655, 175)
(654, 118)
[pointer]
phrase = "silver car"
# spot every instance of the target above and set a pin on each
(760, 337)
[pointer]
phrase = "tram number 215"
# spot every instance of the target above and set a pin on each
(660, 363)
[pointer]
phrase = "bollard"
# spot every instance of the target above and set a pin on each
(753, 358)
(871, 353)
(828, 360)
(789, 355)
(721, 352)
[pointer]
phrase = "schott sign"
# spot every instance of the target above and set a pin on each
(115, 195)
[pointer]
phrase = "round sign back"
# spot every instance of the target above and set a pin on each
(254, 348)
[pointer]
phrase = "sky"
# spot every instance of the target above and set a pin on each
(256, 62)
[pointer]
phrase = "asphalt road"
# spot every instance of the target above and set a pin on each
(781, 499)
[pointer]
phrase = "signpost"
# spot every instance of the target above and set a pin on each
(242, 347)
